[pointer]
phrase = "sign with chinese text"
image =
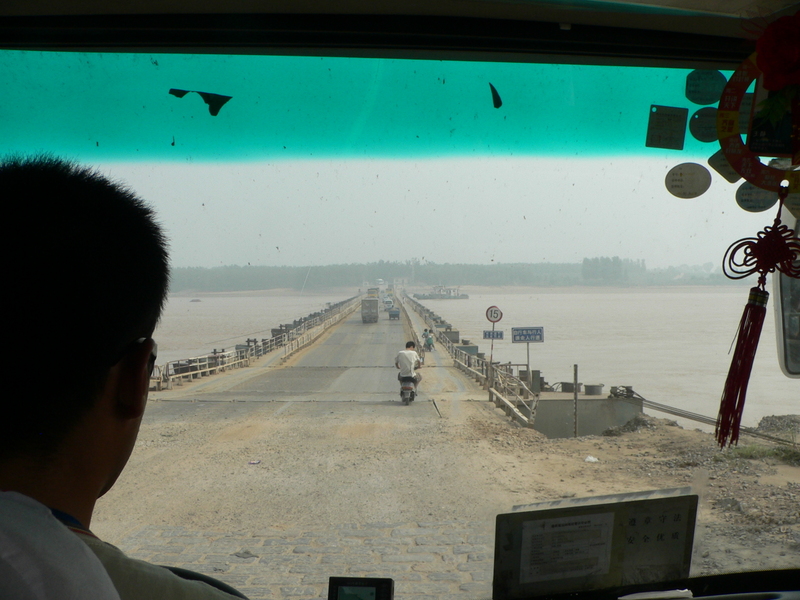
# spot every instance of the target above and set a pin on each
(527, 334)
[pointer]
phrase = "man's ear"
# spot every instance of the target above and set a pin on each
(133, 380)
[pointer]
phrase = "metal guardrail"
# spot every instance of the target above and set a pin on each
(519, 408)
(420, 348)
(497, 378)
(177, 371)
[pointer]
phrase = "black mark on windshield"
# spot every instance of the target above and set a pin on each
(496, 97)
(215, 101)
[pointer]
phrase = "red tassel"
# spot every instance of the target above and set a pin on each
(733, 396)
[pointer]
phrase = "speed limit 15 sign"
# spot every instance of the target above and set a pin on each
(494, 314)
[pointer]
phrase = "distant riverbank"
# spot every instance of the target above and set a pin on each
(592, 272)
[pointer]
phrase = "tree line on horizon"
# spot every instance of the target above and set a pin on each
(598, 271)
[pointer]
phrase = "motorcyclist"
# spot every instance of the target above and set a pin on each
(408, 362)
(428, 337)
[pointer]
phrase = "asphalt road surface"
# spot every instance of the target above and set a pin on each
(352, 363)
(323, 438)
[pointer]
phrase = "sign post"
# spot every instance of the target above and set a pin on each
(528, 335)
(575, 392)
(493, 314)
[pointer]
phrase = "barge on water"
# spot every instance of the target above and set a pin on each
(441, 292)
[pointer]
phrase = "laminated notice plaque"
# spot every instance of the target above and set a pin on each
(584, 544)
(666, 127)
(688, 180)
(754, 199)
(705, 86)
(703, 125)
(720, 164)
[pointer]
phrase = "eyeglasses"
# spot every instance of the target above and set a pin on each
(151, 363)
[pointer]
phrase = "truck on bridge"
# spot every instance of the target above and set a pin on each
(369, 310)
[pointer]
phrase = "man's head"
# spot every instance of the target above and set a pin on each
(89, 273)
(410, 345)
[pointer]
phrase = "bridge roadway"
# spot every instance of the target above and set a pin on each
(274, 477)
(354, 362)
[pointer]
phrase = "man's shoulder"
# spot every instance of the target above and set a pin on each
(41, 558)
(136, 579)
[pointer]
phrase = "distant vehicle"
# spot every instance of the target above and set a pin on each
(380, 282)
(369, 310)
(373, 292)
(388, 304)
(394, 313)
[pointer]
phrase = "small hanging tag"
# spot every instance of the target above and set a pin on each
(703, 125)
(688, 180)
(704, 86)
(720, 164)
(754, 199)
(666, 127)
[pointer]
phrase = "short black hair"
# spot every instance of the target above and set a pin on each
(89, 271)
(410, 345)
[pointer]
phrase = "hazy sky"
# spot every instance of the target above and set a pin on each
(473, 210)
(320, 160)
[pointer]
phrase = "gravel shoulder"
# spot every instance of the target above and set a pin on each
(326, 466)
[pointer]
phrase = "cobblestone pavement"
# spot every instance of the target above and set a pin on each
(428, 561)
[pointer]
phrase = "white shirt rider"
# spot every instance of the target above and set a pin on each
(408, 362)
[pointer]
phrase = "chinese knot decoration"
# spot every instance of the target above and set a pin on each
(776, 248)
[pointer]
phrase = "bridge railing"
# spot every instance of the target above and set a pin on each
(475, 366)
(513, 395)
(414, 336)
(317, 327)
(290, 340)
(176, 371)
(506, 390)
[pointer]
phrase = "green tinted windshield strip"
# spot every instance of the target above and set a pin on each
(94, 106)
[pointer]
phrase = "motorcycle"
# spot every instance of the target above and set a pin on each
(429, 344)
(407, 389)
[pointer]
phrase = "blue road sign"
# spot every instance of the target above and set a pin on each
(527, 334)
(488, 334)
